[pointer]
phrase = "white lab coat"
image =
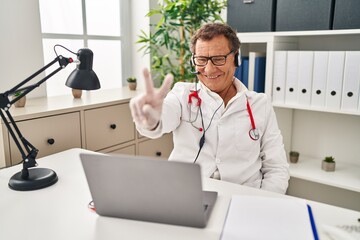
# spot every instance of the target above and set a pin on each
(228, 147)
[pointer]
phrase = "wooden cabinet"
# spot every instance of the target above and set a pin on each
(313, 131)
(99, 121)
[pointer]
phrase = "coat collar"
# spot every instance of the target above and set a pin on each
(213, 100)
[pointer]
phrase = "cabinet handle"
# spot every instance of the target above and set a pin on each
(51, 141)
(113, 126)
(158, 154)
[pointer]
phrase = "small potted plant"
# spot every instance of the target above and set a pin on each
(76, 93)
(132, 83)
(328, 164)
(294, 156)
(21, 102)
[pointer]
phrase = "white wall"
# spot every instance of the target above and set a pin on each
(21, 51)
(139, 8)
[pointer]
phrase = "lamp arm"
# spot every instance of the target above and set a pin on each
(27, 150)
(63, 62)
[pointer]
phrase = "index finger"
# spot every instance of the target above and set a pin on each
(166, 86)
(149, 85)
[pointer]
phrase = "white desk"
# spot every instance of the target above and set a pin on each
(61, 211)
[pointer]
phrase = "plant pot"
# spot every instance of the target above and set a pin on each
(294, 157)
(21, 102)
(76, 93)
(328, 166)
(132, 86)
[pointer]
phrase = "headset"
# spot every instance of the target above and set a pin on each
(237, 58)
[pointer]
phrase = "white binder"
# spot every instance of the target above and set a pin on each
(306, 62)
(351, 84)
(292, 72)
(318, 91)
(278, 90)
(335, 79)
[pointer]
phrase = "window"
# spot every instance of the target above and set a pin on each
(95, 24)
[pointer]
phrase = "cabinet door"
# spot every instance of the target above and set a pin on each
(49, 134)
(108, 126)
(160, 147)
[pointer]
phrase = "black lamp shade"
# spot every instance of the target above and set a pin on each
(83, 77)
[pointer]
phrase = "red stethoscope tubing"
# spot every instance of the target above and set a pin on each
(250, 115)
(253, 133)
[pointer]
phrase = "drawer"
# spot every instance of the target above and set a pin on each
(108, 126)
(129, 150)
(160, 147)
(49, 134)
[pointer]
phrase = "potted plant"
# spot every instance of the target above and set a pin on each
(168, 43)
(294, 156)
(21, 102)
(132, 83)
(328, 164)
(76, 92)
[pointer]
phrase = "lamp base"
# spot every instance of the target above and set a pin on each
(38, 178)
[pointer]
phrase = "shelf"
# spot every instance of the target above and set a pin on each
(300, 33)
(45, 106)
(317, 109)
(345, 176)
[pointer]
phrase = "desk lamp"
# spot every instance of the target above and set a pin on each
(83, 77)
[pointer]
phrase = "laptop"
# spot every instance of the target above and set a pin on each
(148, 189)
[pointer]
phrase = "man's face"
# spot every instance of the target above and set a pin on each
(216, 78)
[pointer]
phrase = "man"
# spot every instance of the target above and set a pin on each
(218, 123)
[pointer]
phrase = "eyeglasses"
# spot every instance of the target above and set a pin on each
(216, 60)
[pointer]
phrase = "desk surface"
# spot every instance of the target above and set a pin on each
(61, 211)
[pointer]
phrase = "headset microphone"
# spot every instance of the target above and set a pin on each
(196, 72)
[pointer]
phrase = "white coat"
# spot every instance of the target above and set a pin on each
(228, 147)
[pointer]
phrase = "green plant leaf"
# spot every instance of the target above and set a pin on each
(166, 48)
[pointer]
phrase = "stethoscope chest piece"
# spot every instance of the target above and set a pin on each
(254, 134)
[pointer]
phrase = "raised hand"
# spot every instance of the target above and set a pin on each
(146, 108)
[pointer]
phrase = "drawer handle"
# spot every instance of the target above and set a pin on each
(158, 154)
(51, 141)
(113, 126)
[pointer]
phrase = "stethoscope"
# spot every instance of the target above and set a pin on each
(253, 132)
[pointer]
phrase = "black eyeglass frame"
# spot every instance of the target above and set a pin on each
(211, 59)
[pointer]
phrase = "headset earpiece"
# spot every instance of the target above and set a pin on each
(192, 63)
(237, 58)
